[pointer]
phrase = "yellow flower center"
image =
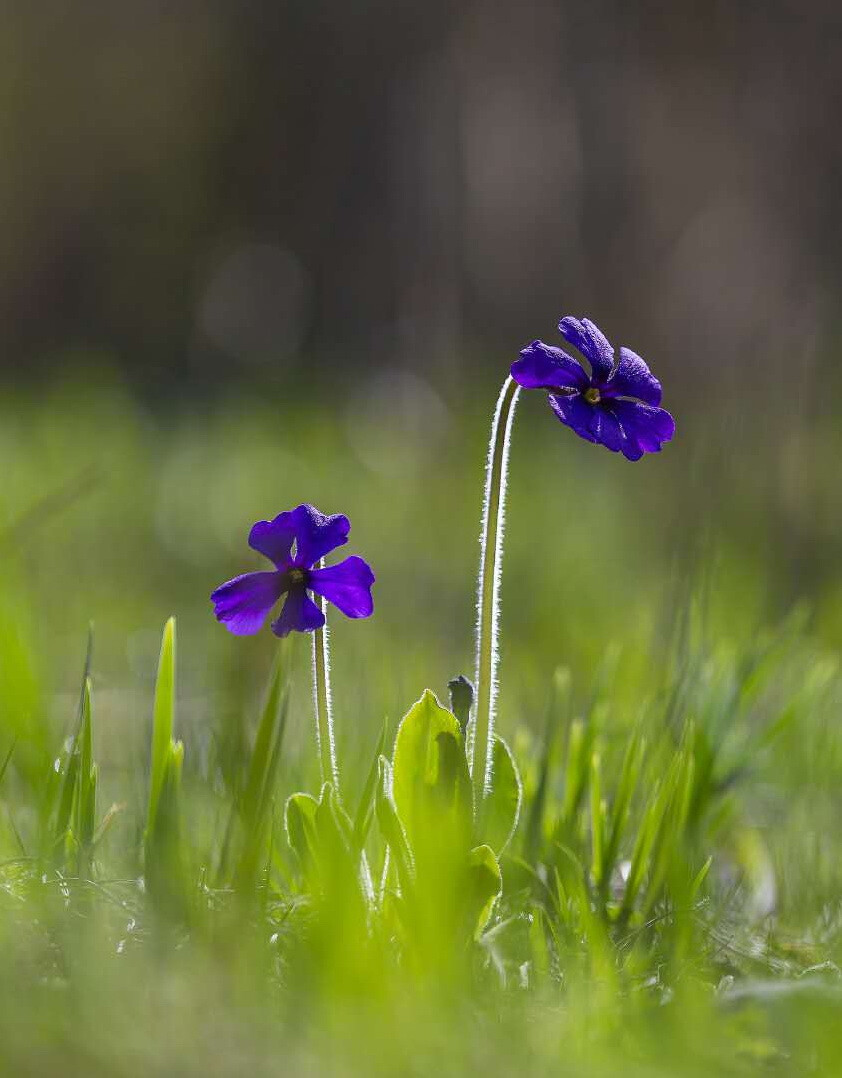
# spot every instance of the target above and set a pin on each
(592, 395)
(296, 576)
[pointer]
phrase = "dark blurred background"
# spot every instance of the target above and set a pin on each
(213, 191)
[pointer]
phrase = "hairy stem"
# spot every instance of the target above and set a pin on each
(322, 702)
(488, 589)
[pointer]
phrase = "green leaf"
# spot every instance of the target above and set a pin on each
(391, 826)
(163, 719)
(269, 732)
(69, 767)
(485, 882)
(577, 771)
(260, 823)
(6, 760)
(502, 805)
(65, 803)
(87, 776)
(320, 834)
(619, 812)
(432, 786)
(165, 860)
(168, 815)
(333, 823)
(598, 817)
(300, 825)
(365, 810)
(250, 817)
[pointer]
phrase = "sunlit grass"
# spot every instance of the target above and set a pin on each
(670, 895)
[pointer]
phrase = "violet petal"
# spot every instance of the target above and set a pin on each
(633, 378)
(243, 603)
(542, 366)
(645, 428)
(592, 343)
(317, 534)
(575, 412)
(274, 538)
(299, 615)
(347, 585)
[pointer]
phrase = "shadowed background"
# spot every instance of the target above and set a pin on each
(213, 192)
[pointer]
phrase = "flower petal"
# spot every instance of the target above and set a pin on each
(242, 604)
(591, 342)
(299, 615)
(317, 534)
(606, 430)
(644, 428)
(543, 367)
(346, 585)
(632, 378)
(575, 412)
(274, 538)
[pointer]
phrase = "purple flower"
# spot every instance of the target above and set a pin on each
(615, 406)
(243, 603)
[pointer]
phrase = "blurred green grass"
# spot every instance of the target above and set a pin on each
(699, 586)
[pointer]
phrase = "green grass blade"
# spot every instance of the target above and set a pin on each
(162, 720)
(267, 734)
(629, 775)
(597, 822)
(86, 775)
(365, 809)
(7, 759)
(392, 826)
(535, 817)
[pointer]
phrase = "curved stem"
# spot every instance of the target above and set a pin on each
(488, 589)
(322, 702)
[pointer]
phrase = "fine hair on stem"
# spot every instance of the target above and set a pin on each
(488, 589)
(323, 702)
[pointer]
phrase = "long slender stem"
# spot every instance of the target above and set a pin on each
(322, 703)
(488, 589)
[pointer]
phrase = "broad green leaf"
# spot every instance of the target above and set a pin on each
(502, 805)
(320, 834)
(431, 784)
(300, 824)
(485, 882)
(333, 823)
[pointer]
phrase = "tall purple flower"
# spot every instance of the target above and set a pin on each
(615, 406)
(242, 604)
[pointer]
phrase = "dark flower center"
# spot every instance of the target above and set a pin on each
(296, 577)
(592, 395)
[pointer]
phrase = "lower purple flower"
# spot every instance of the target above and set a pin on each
(615, 406)
(295, 542)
